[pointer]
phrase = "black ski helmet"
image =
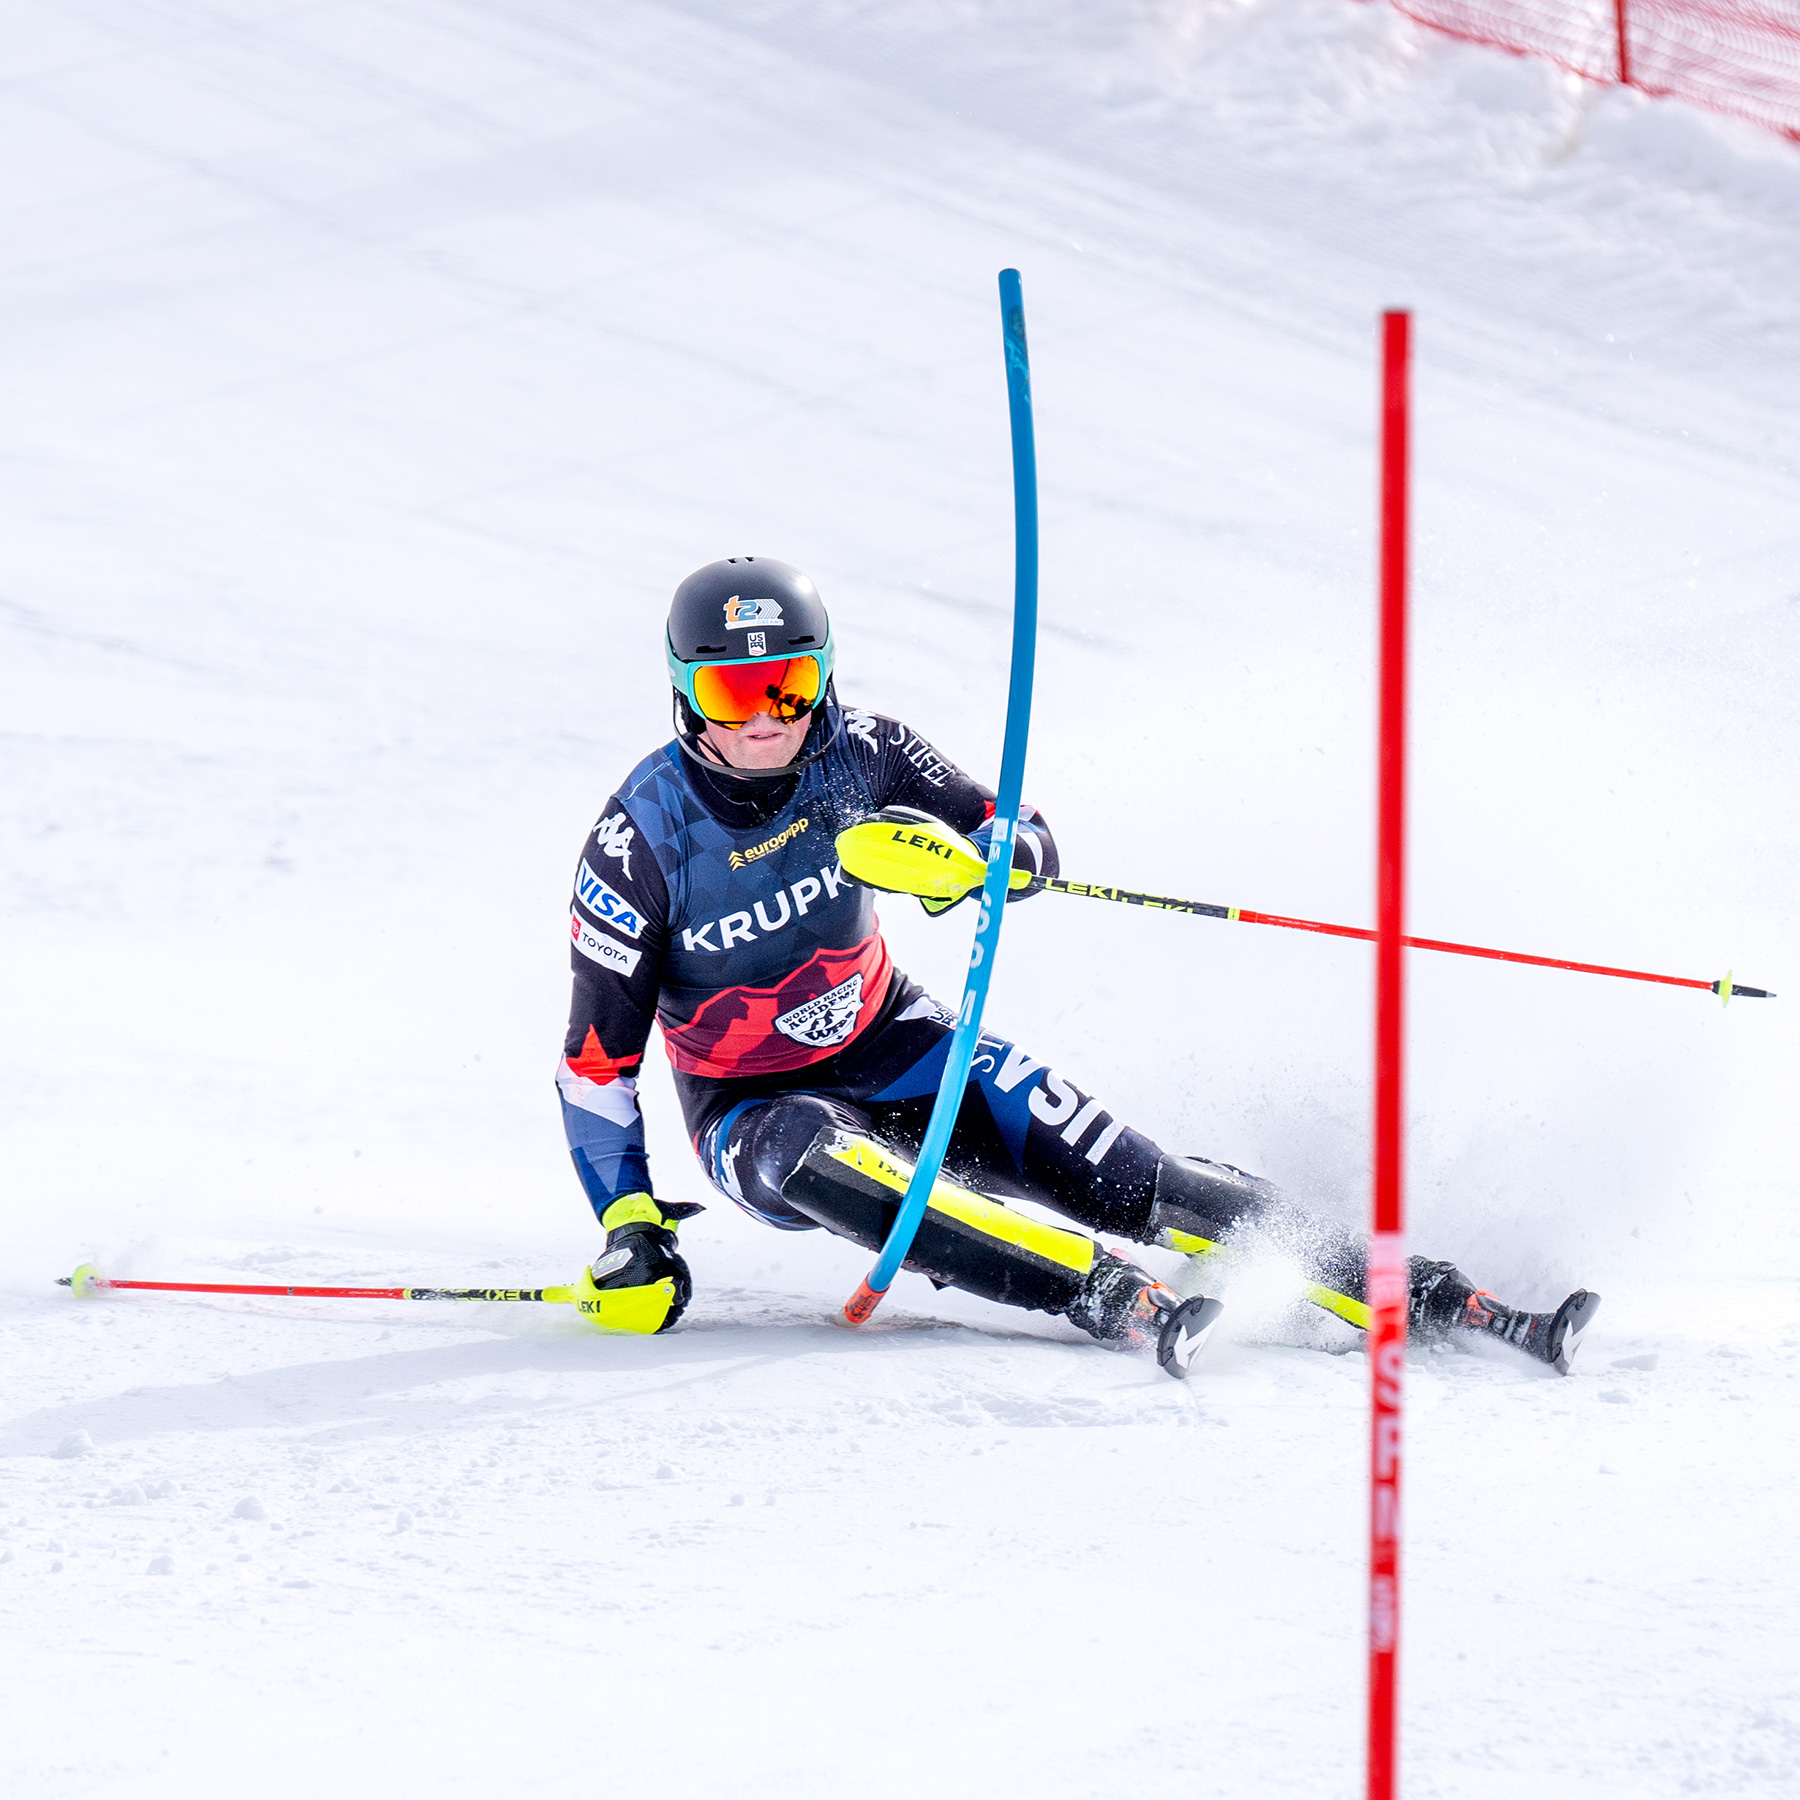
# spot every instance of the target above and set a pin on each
(740, 607)
(746, 606)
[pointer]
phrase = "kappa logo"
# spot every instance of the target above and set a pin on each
(726, 1160)
(614, 909)
(740, 612)
(614, 837)
(826, 1020)
(742, 859)
(861, 724)
(597, 947)
(734, 928)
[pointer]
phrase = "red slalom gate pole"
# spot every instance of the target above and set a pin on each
(1387, 1280)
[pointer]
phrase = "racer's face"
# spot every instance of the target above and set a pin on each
(764, 742)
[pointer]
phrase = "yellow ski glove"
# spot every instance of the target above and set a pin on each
(902, 851)
(641, 1283)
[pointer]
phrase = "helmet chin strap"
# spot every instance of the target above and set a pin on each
(688, 736)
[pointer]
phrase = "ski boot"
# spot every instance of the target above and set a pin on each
(1443, 1302)
(1120, 1304)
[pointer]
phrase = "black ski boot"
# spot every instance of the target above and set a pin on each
(1122, 1305)
(1443, 1301)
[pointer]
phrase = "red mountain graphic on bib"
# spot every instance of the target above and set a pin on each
(812, 1014)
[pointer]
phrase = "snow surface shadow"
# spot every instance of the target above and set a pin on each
(386, 1393)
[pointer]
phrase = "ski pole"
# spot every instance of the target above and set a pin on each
(1724, 987)
(88, 1280)
(861, 1305)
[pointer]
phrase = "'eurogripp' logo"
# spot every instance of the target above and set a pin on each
(742, 859)
(740, 612)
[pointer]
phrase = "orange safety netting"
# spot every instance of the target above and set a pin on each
(1724, 54)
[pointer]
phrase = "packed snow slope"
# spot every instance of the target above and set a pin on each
(372, 373)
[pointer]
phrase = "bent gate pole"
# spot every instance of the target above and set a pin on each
(1387, 1273)
(861, 1305)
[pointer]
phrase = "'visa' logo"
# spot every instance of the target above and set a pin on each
(613, 908)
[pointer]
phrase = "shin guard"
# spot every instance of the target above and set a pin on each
(853, 1185)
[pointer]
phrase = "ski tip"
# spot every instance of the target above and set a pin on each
(1568, 1328)
(1184, 1334)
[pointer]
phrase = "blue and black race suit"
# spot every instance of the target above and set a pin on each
(718, 909)
(721, 912)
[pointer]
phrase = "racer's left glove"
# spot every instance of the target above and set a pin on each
(1030, 842)
(640, 1283)
(901, 850)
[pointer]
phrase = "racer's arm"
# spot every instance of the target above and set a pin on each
(618, 933)
(907, 771)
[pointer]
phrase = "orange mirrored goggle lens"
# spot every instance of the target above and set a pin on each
(731, 693)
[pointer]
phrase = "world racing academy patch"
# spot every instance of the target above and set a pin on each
(812, 1013)
(826, 1021)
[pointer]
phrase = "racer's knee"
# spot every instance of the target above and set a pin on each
(758, 1146)
(1200, 1199)
(1198, 1202)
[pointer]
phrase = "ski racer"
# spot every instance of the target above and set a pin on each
(711, 897)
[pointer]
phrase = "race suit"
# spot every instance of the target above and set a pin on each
(719, 909)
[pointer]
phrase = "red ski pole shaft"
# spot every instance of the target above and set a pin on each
(85, 1281)
(1725, 986)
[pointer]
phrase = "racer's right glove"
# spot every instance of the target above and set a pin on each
(640, 1283)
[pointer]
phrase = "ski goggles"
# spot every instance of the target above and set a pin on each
(732, 693)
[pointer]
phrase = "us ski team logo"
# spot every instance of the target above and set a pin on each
(827, 1019)
(740, 612)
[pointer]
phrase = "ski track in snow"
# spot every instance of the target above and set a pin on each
(372, 374)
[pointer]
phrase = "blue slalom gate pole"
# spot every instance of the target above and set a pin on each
(867, 1297)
